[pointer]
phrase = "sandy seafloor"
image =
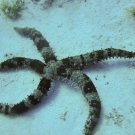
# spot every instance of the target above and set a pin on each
(76, 27)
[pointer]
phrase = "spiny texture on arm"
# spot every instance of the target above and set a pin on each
(40, 42)
(81, 61)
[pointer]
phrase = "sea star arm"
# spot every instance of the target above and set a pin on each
(33, 99)
(81, 61)
(89, 91)
(40, 42)
(21, 62)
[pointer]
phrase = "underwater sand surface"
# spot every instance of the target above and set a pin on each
(72, 28)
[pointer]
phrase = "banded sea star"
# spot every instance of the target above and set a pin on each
(67, 68)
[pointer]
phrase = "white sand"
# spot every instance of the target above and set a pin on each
(75, 28)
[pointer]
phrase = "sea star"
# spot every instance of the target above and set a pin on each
(67, 68)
